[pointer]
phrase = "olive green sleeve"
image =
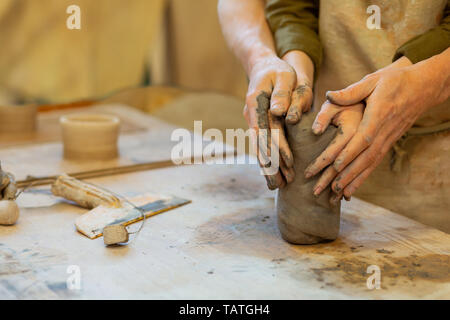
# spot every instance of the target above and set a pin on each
(428, 44)
(294, 24)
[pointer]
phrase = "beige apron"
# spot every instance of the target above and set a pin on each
(420, 188)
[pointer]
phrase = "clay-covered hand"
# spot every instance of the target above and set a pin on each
(395, 98)
(292, 104)
(347, 119)
(271, 83)
(279, 92)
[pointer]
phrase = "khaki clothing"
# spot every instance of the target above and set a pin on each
(295, 27)
(421, 190)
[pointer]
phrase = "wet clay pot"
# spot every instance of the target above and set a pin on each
(18, 119)
(302, 217)
(89, 136)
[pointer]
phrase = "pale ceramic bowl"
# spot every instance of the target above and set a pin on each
(18, 119)
(90, 136)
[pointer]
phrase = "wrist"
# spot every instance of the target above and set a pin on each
(303, 66)
(435, 74)
(258, 55)
(403, 62)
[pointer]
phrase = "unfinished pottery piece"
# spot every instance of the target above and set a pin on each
(302, 217)
(89, 136)
(18, 119)
(9, 212)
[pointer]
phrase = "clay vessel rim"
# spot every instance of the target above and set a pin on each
(88, 119)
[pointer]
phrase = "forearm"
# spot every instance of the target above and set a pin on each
(303, 66)
(443, 60)
(246, 30)
(295, 24)
(435, 74)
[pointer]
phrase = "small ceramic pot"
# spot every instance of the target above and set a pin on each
(18, 119)
(90, 136)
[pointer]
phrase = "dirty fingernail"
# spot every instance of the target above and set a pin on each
(291, 118)
(271, 186)
(350, 192)
(317, 191)
(329, 95)
(276, 107)
(316, 128)
(308, 174)
(337, 188)
(337, 164)
(270, 183)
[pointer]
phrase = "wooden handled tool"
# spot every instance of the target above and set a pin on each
(85, 194)
(145, 166)
(42, 181)
(109, 215)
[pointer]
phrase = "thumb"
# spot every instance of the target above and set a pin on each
(354, 93)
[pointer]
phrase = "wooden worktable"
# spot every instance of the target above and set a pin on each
(224, 245)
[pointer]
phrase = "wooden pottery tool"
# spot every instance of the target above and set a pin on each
(84, 194)
(92, 223)
(108, 209)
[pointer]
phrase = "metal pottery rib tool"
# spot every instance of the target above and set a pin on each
(92, 223)
(108, 208)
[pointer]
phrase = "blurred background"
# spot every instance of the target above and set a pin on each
(165, 57)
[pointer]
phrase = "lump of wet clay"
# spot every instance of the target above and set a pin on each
(4, 179)
(115, 234)
(302, 217)
(10, 190)
(8, 187)
(9, 212)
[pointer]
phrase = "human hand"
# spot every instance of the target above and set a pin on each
(301, 97)
(286, 84)
(347, 119)
(395, 98)
(271, 83)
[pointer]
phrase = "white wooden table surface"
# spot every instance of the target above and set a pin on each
(224, 245)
